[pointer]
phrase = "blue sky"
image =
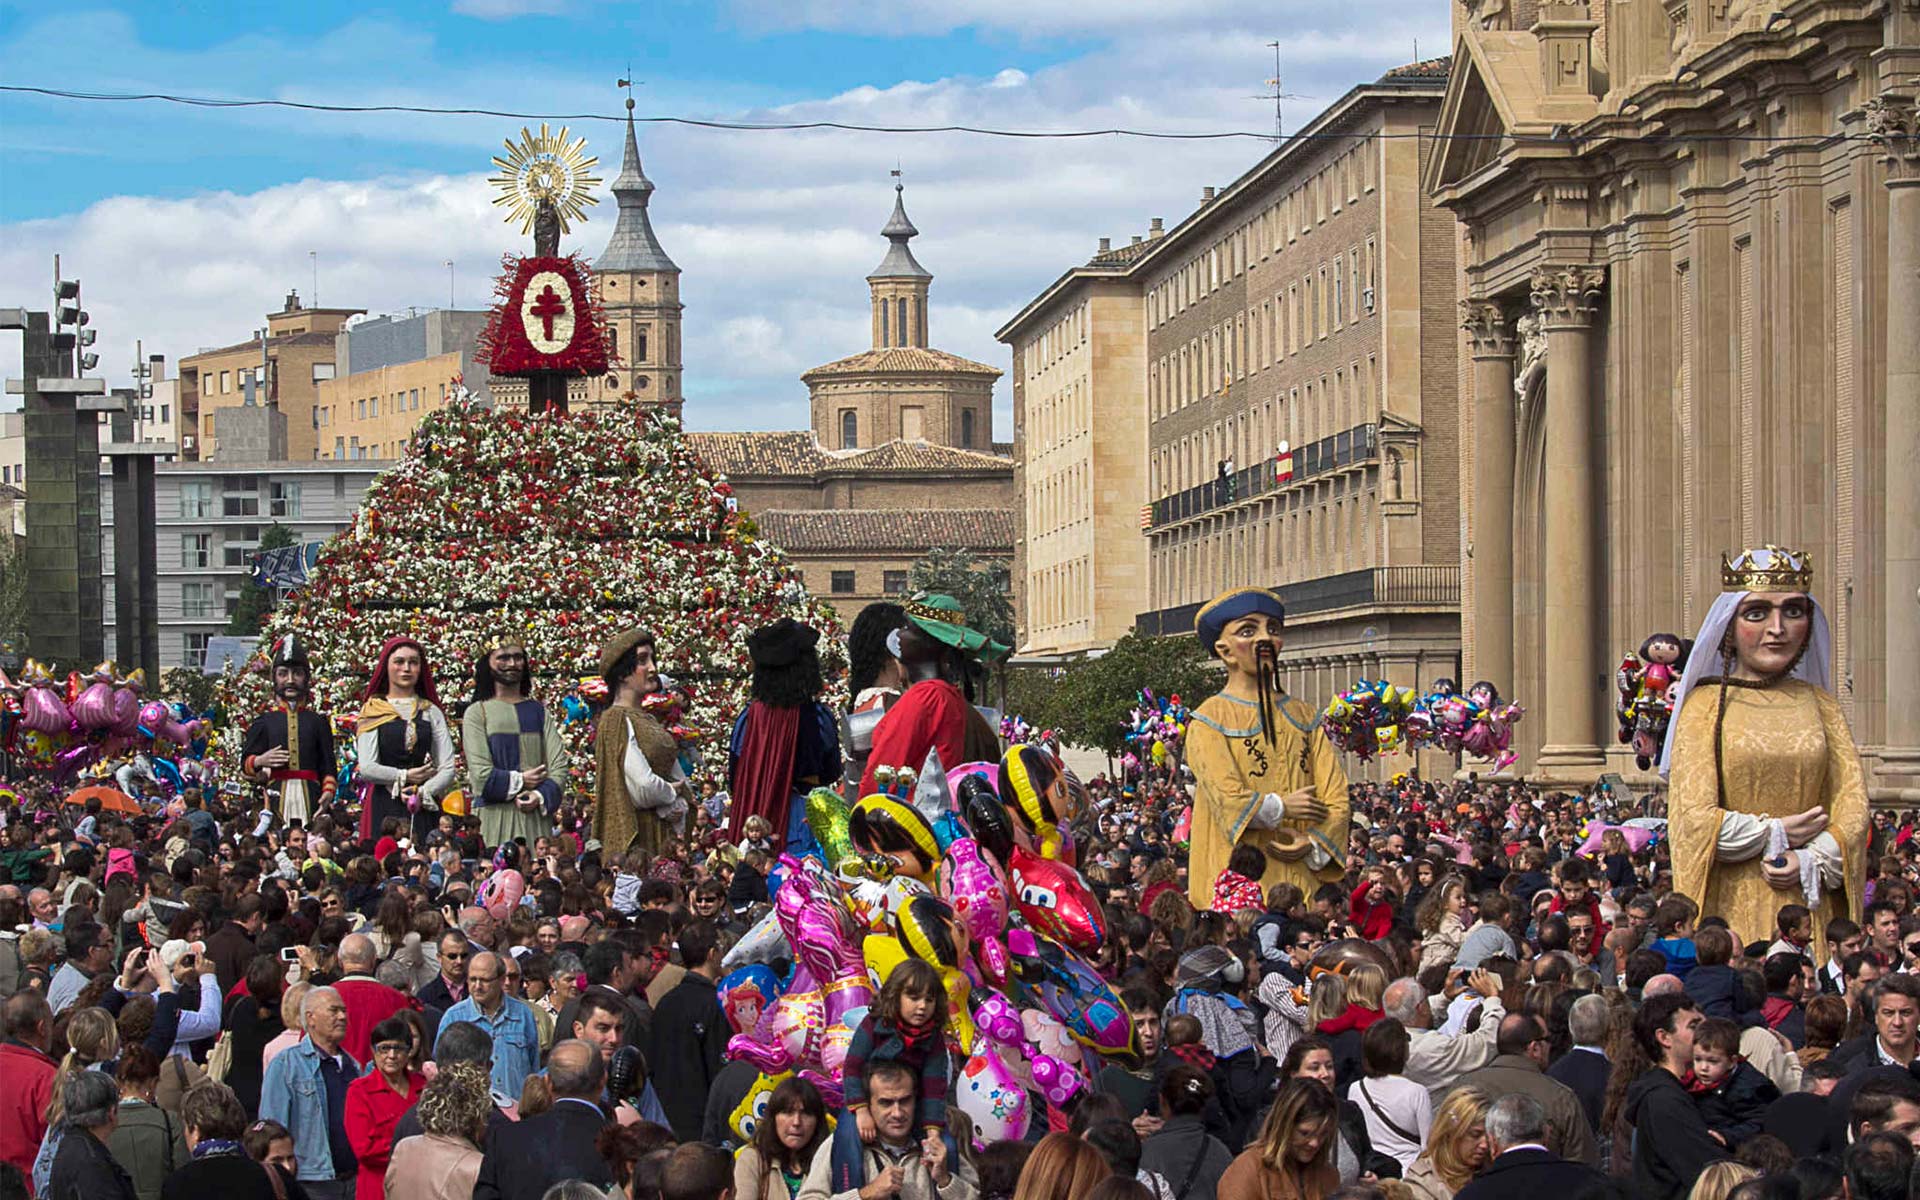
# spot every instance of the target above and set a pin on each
(186, 224)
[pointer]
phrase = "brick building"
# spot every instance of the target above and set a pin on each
(900, 459)
(284, 367)
(1268, 391)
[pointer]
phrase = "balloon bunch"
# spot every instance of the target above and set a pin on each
(1368, 718)
(1644, 689)
(970, 871)
(1156, 727)
(1477, 724)
(59, 728)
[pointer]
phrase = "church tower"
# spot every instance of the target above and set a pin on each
(640, 292)
(899, 284)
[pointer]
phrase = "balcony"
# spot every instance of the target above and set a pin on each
(1356, 445)
(1381, 587)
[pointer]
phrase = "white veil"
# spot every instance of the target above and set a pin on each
(1815, 665)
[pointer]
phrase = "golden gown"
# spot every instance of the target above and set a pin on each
(1785, 749)
(1234, 766)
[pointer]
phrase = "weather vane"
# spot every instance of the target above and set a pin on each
(545, 170)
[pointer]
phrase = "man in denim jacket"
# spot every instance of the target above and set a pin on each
(305, 1089)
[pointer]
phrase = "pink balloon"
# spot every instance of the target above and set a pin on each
(94, 708)
(501, 892)
(126, 712)
(43, 710)
(988, 1091)
(972, 882)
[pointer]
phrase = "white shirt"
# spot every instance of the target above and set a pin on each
(1389, 1101)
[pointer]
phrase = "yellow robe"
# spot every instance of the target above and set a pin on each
(1785, 749)
(1234, 766)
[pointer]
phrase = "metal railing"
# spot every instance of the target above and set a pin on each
(1401, 587)
(1316, 458)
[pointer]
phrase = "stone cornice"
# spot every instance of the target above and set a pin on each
(1894, 122)
(1566, 297)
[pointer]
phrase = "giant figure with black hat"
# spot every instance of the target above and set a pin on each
(291, 745)
(785, 742)
(1265, 774)
(640, 791)
(939, 653)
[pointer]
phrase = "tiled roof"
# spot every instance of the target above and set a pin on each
(1426, 68)
(987, 529)
(794, 452)
(914, 360)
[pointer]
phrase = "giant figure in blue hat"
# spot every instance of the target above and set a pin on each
(1265, 774)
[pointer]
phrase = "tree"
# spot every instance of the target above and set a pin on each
(1090, 701)
(560, 530)
(983, 587)
(254, 602)
(13, 595)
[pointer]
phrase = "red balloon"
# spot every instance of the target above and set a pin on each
(1053, 899)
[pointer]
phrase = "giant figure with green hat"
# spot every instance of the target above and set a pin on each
(1264, 773)
(941, 655)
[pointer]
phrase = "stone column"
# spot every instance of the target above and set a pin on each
(1491, 555)
(1565, 299)
(1896, 124)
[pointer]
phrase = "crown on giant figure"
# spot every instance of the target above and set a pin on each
(1767, 569)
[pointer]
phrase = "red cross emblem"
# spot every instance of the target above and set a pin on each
(547, 306)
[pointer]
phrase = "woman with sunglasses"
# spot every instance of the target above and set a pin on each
(377, 1100)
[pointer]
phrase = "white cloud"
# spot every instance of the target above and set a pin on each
(774, 232)
(502, 10)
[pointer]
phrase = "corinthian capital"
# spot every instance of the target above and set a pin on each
(1894, 122)
(1564, 296)
(1488, 333)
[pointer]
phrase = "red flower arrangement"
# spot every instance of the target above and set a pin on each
(548, 319)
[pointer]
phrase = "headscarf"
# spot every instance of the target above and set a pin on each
(1815, 665)
(1198, 980)
(375, 711)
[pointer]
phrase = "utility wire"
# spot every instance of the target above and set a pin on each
(849, 127)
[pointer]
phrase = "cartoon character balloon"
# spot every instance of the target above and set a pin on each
(1053, 898)
(501, 893)
(1046, 975)
(987, 1091)
(747, 993)
(894, 827)
(1041, 794)
(975, 885)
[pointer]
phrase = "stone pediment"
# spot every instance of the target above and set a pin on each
(1493, 96)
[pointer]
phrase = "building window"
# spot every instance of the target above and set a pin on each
(197, 650)
(902, 311)
(322, 371)
(842, 583)
(886, 325)
(966, 427)
(339, 447)
(163, 414)
(413, 398)
(849, 429)
(640, 344)
(206, 384)
(283, 499)
(196, 499)
(894, 583)
(226, 382)
(239, 548)
(196, 551)
(196, 600)
(240, 496)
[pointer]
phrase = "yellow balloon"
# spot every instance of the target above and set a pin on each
(883, 953)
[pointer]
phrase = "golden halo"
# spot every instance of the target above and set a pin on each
(545, 166)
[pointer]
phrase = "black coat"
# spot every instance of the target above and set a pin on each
(690, 1033)
(1586, 1074)
(439, 996)
(1735, 1107)
(1671, 1145)
(530, 1156)
(1530, 1174)
(84, 1169)
(1189, 1158)
(229, 1177)
(1719, 993)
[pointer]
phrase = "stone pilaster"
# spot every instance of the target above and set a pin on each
(1490, 556)
(1894, 122)
(1565, 300)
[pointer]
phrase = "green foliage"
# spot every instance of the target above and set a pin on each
(190, 687)
(253, 604)
(13, 594)
(1088, 703)
(982, 586)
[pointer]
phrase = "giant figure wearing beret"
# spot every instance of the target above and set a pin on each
(1264, 772)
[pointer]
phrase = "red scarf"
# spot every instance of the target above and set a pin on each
(762, 783)
(1355, 1017)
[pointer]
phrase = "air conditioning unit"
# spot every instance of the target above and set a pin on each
(1366, 298)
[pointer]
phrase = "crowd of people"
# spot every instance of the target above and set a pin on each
(1483, 990)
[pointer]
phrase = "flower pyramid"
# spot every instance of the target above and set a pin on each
(560, 530)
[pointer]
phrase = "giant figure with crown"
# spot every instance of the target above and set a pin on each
(1769, 802)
